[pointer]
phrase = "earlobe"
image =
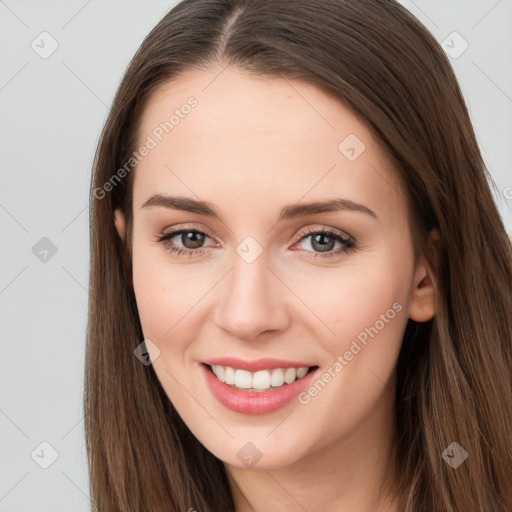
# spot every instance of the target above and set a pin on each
(119, 222)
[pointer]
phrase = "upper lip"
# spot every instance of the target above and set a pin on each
(257, 364)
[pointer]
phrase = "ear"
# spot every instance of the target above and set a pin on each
(119, 222)
(422, 305)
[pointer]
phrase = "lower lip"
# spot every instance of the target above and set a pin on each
(255, 402)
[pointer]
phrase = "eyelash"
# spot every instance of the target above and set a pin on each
(348, 244)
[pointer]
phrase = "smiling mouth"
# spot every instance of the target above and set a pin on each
(260, 381)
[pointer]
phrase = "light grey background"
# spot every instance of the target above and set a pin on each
(51, 113)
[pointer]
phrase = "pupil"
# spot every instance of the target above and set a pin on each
(192, 239)
(324, 246)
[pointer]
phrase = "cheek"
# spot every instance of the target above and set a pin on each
(364, 305)
(368, 296)
(172, 298)
(340, 302)
(372, 317)
(163, 292)
(366, 309)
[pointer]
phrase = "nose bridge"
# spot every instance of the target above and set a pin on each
(250, 300)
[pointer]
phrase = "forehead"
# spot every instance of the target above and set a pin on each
(258, 138)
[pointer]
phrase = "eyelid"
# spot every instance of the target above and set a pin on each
(323, 229)
(174, 230)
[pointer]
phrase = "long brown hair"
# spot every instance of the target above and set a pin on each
(454, 377)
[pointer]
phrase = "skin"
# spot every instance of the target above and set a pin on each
(250, 147)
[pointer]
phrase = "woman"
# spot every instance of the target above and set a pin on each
(300, 286)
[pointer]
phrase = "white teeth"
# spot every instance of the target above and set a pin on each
(290, 375)
(229, 373)
(220, 373)
(301, 372)
(277, 378)
(243, 379)
(260, 380)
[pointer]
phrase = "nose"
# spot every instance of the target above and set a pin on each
(252, 301)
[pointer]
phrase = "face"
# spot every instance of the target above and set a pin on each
(239, 276)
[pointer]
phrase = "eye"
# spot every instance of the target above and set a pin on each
(323, 241)
(192, 241)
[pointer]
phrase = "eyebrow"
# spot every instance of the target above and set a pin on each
(287, 213)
